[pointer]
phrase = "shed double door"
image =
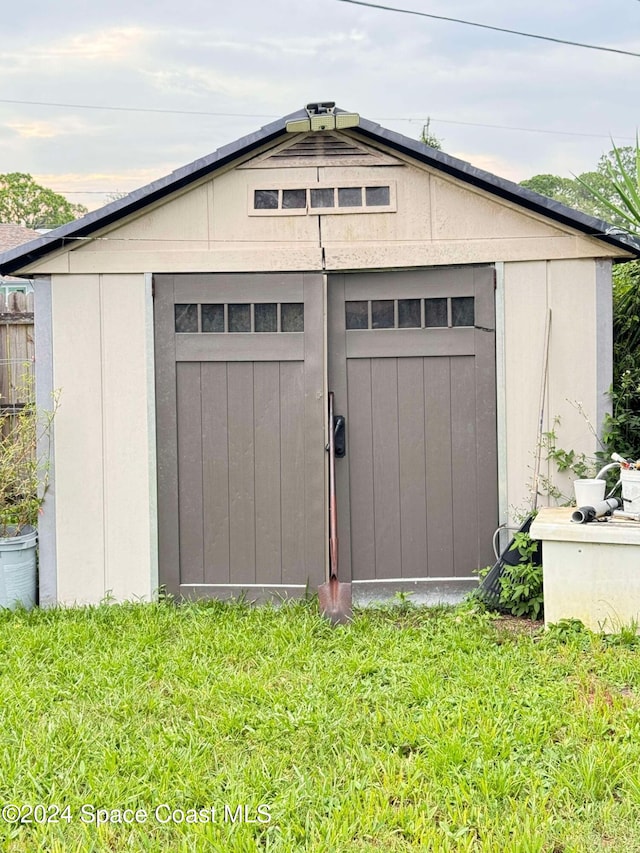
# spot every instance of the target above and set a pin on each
(412, 365)
(240, 433)
(241, 387)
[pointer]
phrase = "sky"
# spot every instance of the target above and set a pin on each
(514, 106)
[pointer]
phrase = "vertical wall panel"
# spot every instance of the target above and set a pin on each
(102, 438)
(337, 371)
(437, 395)
(360, 459)
(413, 496)
(315, 417)
(525, 291)
(386, 466)
(79, 439)
(241, 473)
(190, 510)
(166, 435)
(43, 330)
(572, 298)
(215, 466)
(267, 471)
(486, 415)
(292, 467)
(464, 452)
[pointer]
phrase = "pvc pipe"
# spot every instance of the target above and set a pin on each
(585, 514)
(606, 468)
(630, 516)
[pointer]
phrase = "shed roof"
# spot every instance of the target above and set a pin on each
(21, 256)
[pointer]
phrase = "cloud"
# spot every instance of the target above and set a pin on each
(63, 126)
(95, 189)
(199, 81)
(266, 59)
(110, 45)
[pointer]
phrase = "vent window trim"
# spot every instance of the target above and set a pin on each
(367, 193)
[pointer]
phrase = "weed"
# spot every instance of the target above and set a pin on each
(521, 584)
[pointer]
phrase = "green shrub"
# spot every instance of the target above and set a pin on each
(521, 585)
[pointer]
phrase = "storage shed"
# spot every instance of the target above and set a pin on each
(195, 327)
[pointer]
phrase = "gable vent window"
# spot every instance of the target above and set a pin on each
(323, 198)
(349, 196)
(294, 199)
(377, 196)
(288, 201)
(266, 200)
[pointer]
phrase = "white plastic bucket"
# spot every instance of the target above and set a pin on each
(630, 479)
(18, 579)
(589, 492)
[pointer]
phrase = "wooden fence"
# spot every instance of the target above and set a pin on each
(16, 350)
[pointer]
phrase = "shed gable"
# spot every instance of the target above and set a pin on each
(422, 216)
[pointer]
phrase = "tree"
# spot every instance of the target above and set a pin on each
(565, 190)
(618, 189)
(596, 192)
(429, 138)
(24, 202)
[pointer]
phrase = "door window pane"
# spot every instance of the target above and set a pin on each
(382, 314)
(357, 314)
(292, 317)
(409, 313)
(266, 317)
(349, 196)
(462, 311)
(213, 318)
(265, 199)
(435, 312)
(294, 199)
(322, 198)
(186, 318)
(239, 318)
(377, 196)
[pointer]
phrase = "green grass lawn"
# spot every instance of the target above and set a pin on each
(435, 730)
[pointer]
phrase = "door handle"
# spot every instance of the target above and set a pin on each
(340, 436)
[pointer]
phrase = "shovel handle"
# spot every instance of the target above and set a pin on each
(333, 509)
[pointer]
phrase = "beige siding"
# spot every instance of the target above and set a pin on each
(184, 224)
(209, 228)
(102, 445)
(569, 289)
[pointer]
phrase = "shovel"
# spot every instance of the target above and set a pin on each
(334, 598)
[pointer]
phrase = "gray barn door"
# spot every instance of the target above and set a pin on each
(412, 364)
(240, 432)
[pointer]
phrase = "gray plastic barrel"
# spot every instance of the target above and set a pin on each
(18, 570)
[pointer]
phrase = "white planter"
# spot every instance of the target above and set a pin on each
(589, 492)
(18, 577)
(630, 480)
